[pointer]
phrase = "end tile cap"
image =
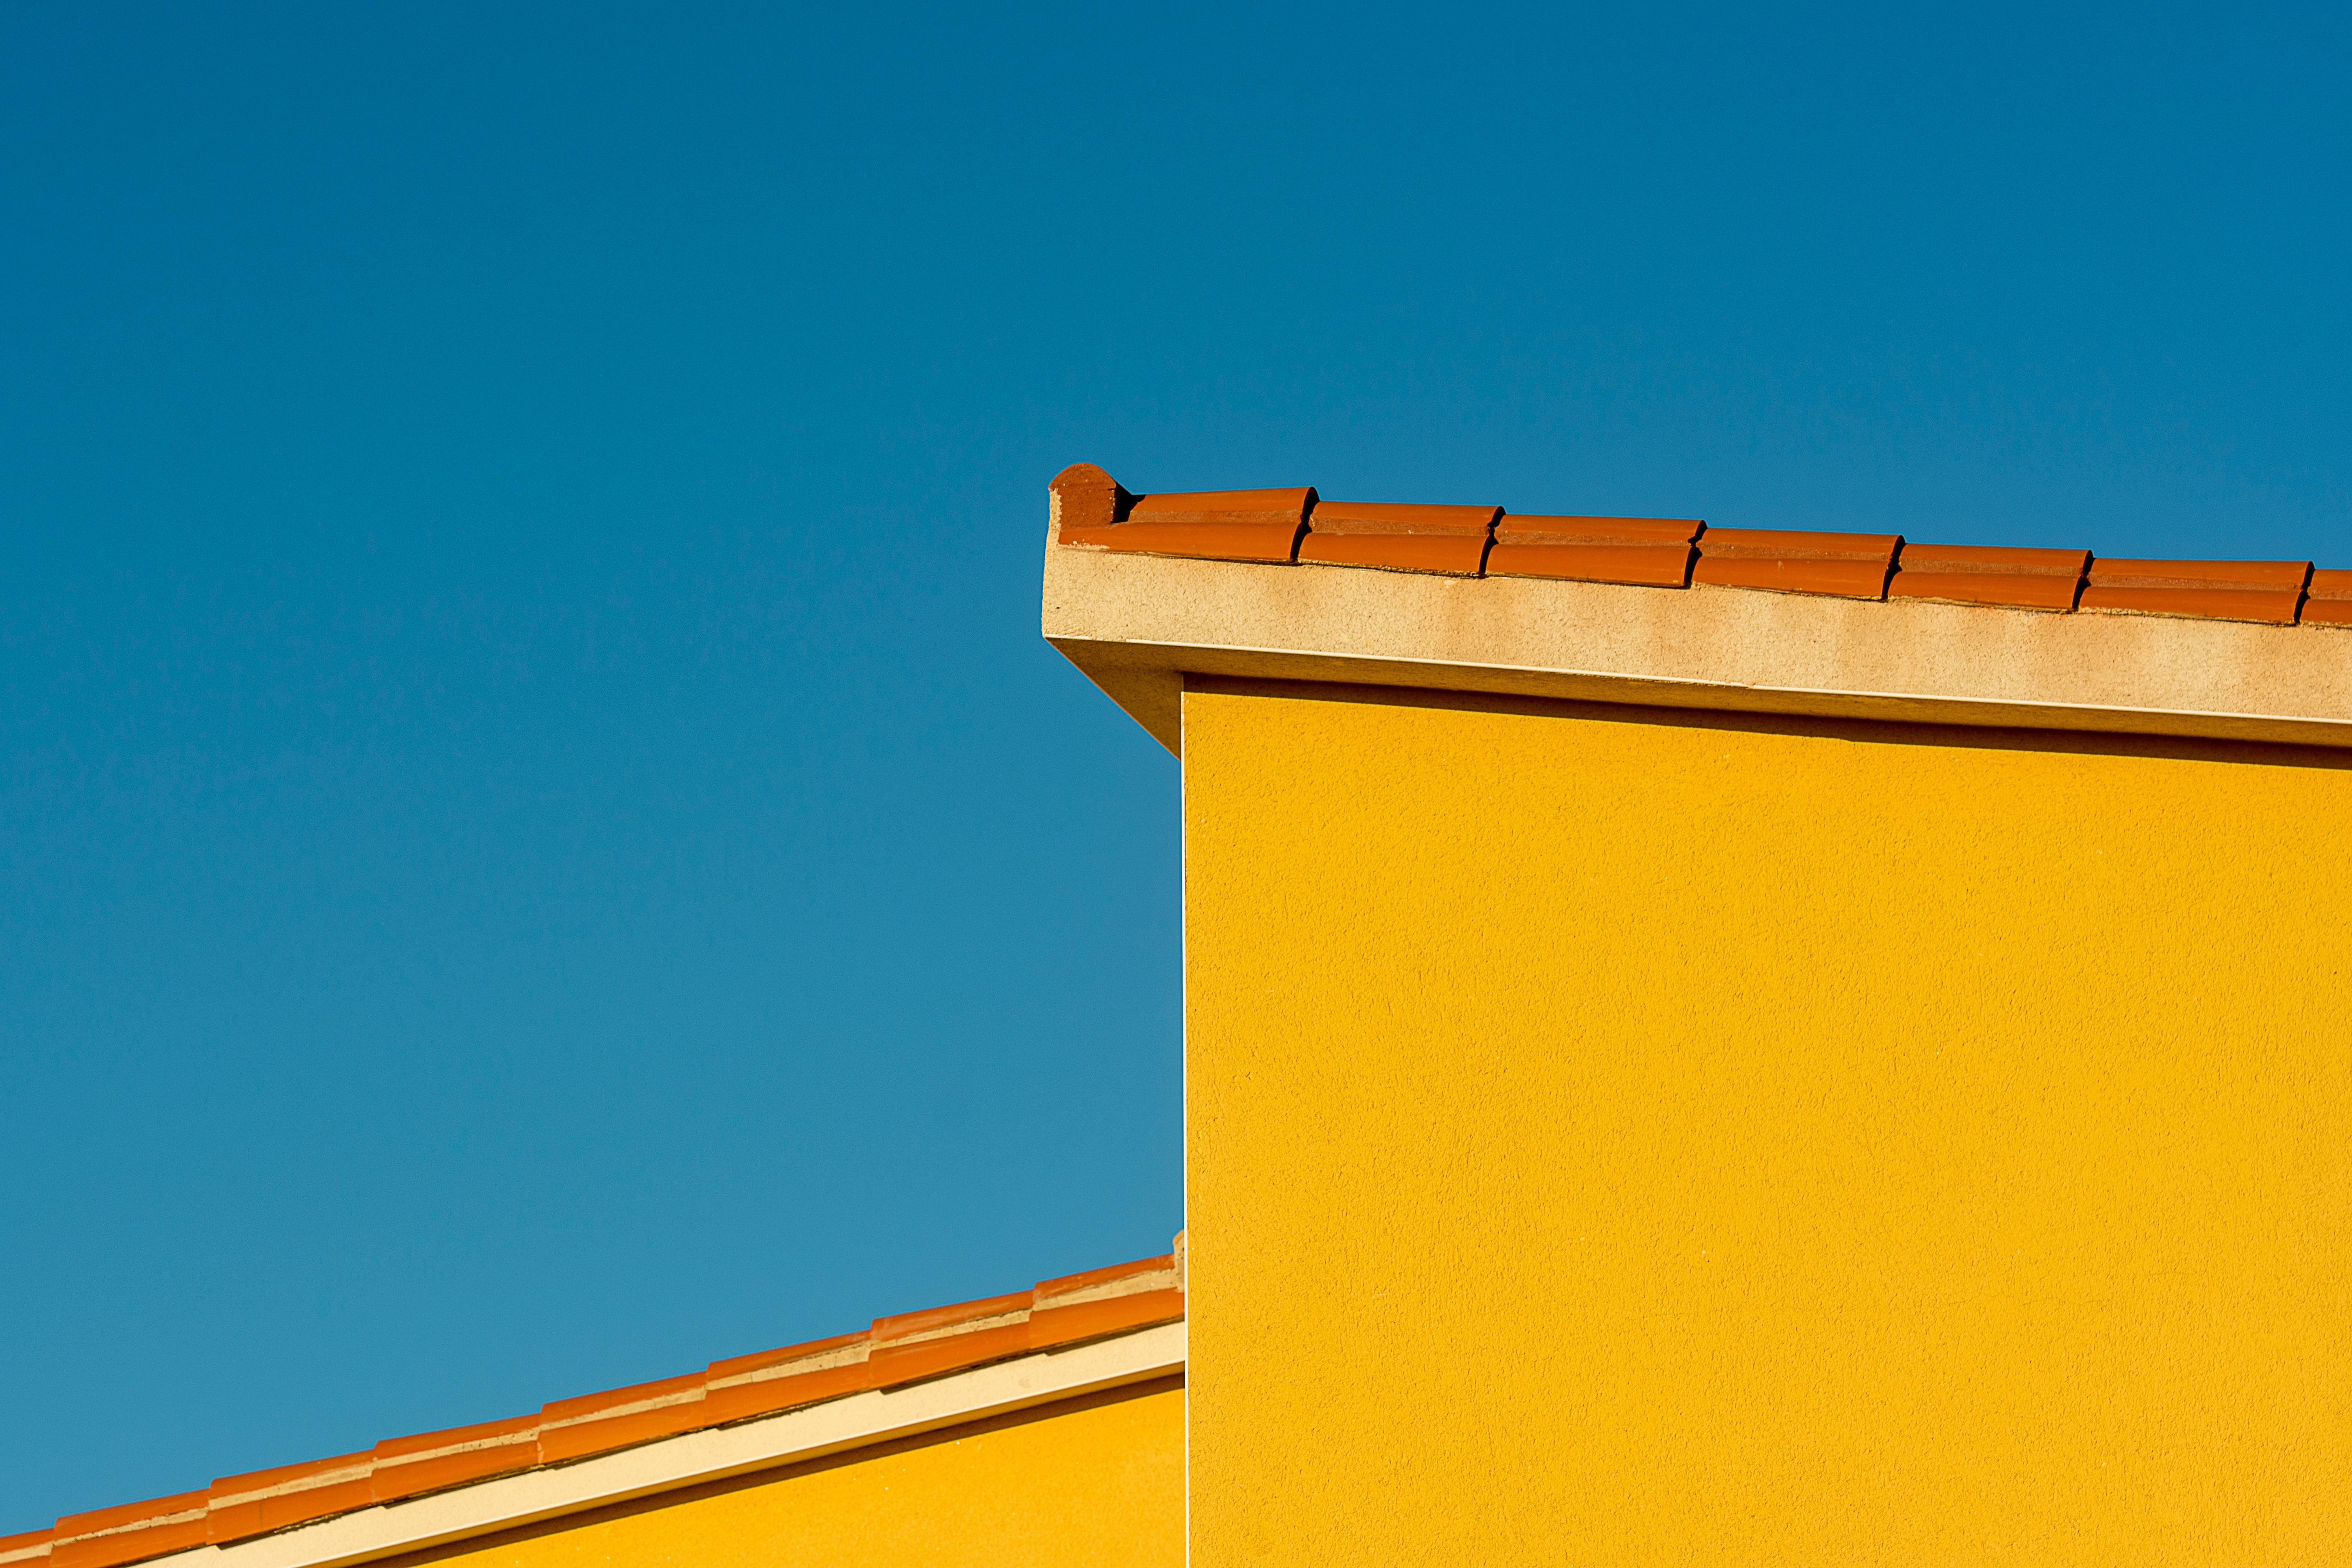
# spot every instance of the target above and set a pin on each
(1085, 496)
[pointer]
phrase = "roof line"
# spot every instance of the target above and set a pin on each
(712, 1454)
(1663, 613)
(1053, 1318)
(1091, 510)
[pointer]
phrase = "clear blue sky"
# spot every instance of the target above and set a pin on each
(541, 843)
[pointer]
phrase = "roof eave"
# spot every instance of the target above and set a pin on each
(1137, 625)
(711, 1454)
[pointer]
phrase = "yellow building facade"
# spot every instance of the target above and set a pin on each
(1786, 1063)
(1701, 1046)
(1636, 1137)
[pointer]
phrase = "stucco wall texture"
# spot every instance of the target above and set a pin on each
(1624, 1137)
(1093, 1483)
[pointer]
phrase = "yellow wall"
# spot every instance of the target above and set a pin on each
(1100, 1484)
(1615, 1142)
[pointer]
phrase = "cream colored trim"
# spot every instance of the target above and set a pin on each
(1136, 625)
(854, 1422)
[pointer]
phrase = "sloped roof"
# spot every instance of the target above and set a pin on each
(1144, 591)
(1053, 1319)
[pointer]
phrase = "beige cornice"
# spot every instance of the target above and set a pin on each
(1138, 624)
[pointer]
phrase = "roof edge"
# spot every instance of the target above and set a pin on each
(1054, 1315)
(1136, 625)
(710, 1454)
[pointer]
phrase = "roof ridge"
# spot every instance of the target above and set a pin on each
(1052, 1315)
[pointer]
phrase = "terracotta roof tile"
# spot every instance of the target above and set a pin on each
(1085, 499)
(428, 1461)
(785, 1379)
(1655, 551)
(33, 1545)
(124, 1514)
(906, 1348)
(1847, 566)
(2218, 590)
(424, 1445)
(912, 1346)
(263, 1501)
(2329, 600)
(128, 1531)
(637, 1396)
(283, 1478)
(605, 1434)
(618, 1418)
(1080, 1306)
(1979, 575)
(1222, 525)
(1449, 539)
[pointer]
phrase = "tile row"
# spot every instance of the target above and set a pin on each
(896, 1351)
(1298, 526)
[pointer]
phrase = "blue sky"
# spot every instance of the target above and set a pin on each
(539, 843)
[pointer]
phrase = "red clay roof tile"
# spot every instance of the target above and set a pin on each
(291, 1478)
(1650, 552)
(261, 1515)
(1400, 538)
(580, 1407)
(1101, 1302)
(261, 1501)
(619, 1418)
(2216, 590)
(124, 1515)
(790, 1360)
(581, 1439)
(785, 1379)
(1118, 1279)
(1979, 575)
(1222, 525)
(932, 1323)
(430, 1445)
(454, 1465)
(911, 1346)
(32, 1545)
(1094, 1319)
(2329, 599)
(1086, 498)
(1847, 566)
(128, 1531)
